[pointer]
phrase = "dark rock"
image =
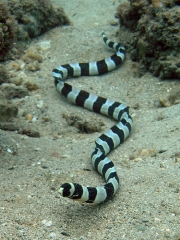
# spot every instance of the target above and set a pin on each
(7, 110)
(36, 17)
(12, 91)
(151, 34)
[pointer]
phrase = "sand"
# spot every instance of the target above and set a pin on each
(147, 205)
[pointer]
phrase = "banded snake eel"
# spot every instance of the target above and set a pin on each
(107, 141)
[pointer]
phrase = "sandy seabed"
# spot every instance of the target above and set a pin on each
(147, 205)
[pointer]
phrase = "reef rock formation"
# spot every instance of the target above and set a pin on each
(150, 30)
(21, 21)
(36, 16)
(7, 30)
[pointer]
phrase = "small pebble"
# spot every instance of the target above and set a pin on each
(146, 152)
(46, 223)
(40, 104)
(37, 149)
(52, 235)
(34, 119)
(9, 150)
(138, 159)
(164, 102)
(44, 45)
(114, 23)
(29, 117)
(65, 156)
(65, 234)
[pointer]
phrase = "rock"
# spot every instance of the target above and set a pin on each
(7, 31)
(150, 32)
(36, 17)
(29, 117)
(3, 74)
(7, 109)
(20, 21)
(40, 104)
(12, 91)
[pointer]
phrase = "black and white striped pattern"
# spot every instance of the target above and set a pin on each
(107, 141)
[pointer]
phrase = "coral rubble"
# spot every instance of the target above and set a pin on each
(150, 29)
